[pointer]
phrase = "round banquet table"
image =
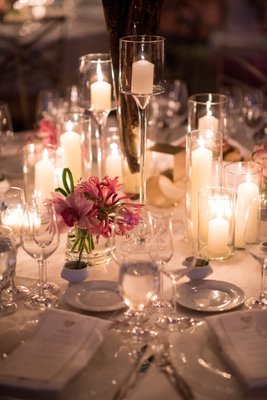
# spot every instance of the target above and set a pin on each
(111, 362)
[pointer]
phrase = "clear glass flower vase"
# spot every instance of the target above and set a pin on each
(99, 255)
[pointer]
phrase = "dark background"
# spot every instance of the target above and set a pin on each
(209, 43)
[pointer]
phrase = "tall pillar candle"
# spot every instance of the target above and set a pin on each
(246, 191)
(44, 176)
(201, 178)
(70, 143)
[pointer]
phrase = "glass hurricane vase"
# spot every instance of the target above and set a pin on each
(90, 249)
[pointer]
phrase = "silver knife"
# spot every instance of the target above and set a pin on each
(140, 367)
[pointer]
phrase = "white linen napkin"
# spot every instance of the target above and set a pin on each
(61, 346)
(242, 336)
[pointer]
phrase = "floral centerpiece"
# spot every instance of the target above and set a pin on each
(89, 209)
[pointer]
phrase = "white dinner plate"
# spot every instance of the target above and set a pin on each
(209, 295)
(196, 356)
(96, 296)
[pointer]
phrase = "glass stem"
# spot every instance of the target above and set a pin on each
(161, 281)
(99, 154)
(41, 277)
(142, 114)
(263, 279)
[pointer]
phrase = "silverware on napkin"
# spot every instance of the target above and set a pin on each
(142, 364)
(166, 366)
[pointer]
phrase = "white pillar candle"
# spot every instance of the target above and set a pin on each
(100, 92)
(208, 122)
(218, 234)
(71, 152)
(246, 191)
(113, 162)
(142, 77)
(44, 176)
(201, 178)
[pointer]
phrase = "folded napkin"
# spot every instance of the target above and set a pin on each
(61, 346)
(242, 337)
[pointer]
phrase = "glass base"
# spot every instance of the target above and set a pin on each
(37, 302)
(174, 323)
(50, 287)
(254, 303)
(17, 292)
(7, 308)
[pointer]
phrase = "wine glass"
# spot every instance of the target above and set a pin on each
(11, 216)
(7, 261)
(138, 284)
(6, 127)
(255, 237)
(141, 75)
(97, 95)
(161, 248)
(40, 238)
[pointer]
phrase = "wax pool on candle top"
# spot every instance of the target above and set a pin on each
(142, 77)
(246, 191)
(100, 92)
(70, 143)
(44, 176)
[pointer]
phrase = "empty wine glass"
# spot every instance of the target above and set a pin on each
(7, 261)
(11, 216)
(255, 237)
(139, 284)
(40, 238)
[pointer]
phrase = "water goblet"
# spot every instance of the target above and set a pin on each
(139, 284)
(11, 216)
(255, 238)
(97, 95)
(40, 239)
(7, 261)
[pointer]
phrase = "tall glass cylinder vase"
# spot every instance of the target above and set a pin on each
(129, 17)
(204, 150)
(208, 111)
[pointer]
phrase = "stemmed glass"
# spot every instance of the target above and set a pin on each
(7, 262)
(40, 238)
(138, 283)
(255, 237)
(141, 75)
(11, 216)
(97, 95)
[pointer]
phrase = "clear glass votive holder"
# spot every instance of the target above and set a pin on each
(39, 169)
(113, 155)
(216, 223)
(208, 111)
(76, 145)
(245, 179)
(204, 169)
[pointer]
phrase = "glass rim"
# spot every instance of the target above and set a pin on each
(239, 168)
(96, 57)
(142, 38)
(211, 97)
